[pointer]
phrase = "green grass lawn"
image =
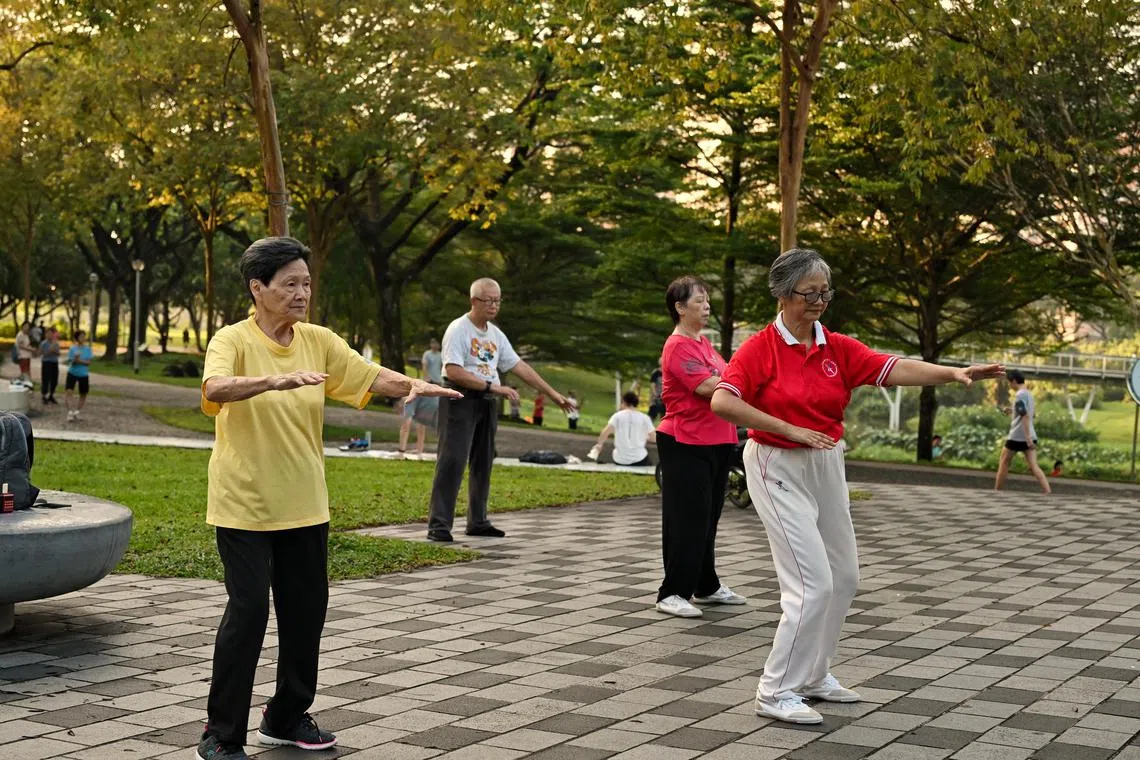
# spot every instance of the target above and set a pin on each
(1113, 421)
(166, 490)
(191, 418)
(150, 368)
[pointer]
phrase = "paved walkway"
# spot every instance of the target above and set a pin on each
(986, 628)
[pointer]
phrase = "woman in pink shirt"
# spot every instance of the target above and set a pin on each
(695, 448)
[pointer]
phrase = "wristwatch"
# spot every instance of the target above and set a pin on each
(488, 388)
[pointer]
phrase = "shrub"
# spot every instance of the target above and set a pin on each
(973, 443)
(895, 439)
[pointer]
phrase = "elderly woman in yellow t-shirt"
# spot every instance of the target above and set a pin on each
(265, 382)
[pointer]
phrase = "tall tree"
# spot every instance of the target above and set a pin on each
(251, 31)
(801, 30)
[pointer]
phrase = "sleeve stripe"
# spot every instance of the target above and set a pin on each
(885, 372)
(722, 385)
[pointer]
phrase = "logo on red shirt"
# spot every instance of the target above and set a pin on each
(830, 368)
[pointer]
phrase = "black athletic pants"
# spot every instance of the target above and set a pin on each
(466, 441)
(692, 497)
(294, 563)
(50, 379)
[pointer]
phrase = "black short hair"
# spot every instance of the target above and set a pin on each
(80, 333)
(680, 291)
(630, 398)
(1015, 376)
(262, 260)
(936, 438)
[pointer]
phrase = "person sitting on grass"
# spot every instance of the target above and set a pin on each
(630, 429)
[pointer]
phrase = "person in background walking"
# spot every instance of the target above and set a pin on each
(790, 384)
(572, 412)
(49, 366)
(79, 358)
(539, 405)
(431, 369)
(475, 350)
(695, 448)
(1022, 435)
(185, 338)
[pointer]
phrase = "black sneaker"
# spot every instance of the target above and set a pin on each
(210, 748)
(443, 536)
(487, 530)
(305, 735)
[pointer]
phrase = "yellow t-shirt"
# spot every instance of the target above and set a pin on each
(267, 471)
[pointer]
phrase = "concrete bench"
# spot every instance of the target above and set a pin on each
(13, 399)
(47, 552)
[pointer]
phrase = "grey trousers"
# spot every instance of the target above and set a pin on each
(466, 438)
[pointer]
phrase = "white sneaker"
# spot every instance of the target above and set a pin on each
(678, 607)
(70, 415)
(723, 595)
(789, 709)
(830, 690)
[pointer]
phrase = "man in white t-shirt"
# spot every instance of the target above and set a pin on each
(631, 430)
(474, 353)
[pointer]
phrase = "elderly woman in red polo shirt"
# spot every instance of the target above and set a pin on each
(790, 384)
(695, 449)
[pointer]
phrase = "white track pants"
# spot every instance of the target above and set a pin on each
(801, 495)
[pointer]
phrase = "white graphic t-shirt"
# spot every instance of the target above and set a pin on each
(1023, 406)
(481, 352)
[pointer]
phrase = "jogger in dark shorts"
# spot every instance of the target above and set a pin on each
(78, 359)
(1022, 434)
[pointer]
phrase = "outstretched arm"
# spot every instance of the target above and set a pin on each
(221, 390)
(530, 376)
(391, 383)
(914, 372)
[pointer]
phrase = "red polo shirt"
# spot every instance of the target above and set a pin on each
(685, 364)
(778, 375)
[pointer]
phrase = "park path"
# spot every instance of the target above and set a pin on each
(986, 627)
(116, 407)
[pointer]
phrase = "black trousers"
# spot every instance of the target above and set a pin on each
(294, 563)
(50, 379)
(692, 497)
(466, 440)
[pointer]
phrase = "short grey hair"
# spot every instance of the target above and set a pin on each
(792, 266)
(482, 283)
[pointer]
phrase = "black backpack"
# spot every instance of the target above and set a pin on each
(542, 456)
(17, 451)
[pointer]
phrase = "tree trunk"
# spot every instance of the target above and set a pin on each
(320, 245)
(391, 327)
(114, 297)
(728, 315)
(252, 35)
(208, 251)
(927, 409)
(164, 326)
(788, 168)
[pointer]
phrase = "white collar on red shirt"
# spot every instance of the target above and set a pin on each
(786, 334)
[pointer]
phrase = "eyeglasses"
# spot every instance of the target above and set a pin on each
(815, 297)
(490, 301)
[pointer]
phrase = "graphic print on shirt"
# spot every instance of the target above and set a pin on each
(699, 367)
(830, 368)
(484, 352)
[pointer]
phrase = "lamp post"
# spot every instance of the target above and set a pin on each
(94, 280)
(138, 265)
(51, 305)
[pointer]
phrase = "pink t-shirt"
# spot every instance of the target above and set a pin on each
(685, 364)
